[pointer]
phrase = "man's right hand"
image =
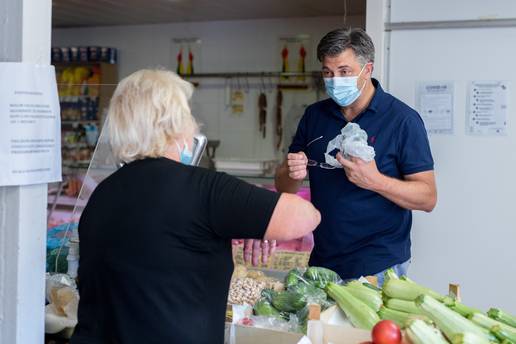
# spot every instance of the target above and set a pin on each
(297, 164)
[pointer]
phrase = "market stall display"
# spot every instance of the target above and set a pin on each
(423, 315)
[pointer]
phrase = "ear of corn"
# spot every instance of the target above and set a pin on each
(503, 335)
(370, 286)
(389, 274)
(488, 323)
(367, 295)
(403, 306)
(360, 315)
(468, 338)
(405, 290)
(419, 332)
(501, 316)
(448, 321)
(460, 308)
(400, 318)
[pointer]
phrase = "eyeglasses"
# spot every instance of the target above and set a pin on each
(313, 163)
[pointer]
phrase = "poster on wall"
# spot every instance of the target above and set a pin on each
(186, 54)
(237, 102)
(487, 108)
(434, 101)
(30, 125)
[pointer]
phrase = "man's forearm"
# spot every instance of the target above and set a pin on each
(413, 195)
(284, 183)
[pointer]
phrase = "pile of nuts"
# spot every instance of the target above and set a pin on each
(245, 291)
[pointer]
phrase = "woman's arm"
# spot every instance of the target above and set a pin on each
(293, 218)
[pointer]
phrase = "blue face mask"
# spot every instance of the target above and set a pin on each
(185, 155)
(343, 90)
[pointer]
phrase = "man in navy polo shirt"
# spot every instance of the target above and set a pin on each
(366, 208)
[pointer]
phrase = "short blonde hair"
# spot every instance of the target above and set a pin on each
(149, 110)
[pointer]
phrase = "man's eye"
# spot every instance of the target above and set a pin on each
(327, 74)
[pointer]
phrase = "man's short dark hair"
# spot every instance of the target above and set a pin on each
(336, 41)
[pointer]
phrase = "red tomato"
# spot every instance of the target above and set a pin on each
(386, 332)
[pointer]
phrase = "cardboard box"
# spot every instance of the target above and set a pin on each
(332, 328)
(318, 333)
(240, 334)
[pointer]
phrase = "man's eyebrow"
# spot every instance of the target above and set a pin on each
(339, 67)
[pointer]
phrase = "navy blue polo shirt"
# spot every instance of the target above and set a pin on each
(361, 232)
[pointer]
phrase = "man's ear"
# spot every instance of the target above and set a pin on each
(371, 69)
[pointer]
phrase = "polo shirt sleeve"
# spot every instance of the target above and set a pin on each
(299, 141)
(239, 210)
(414, 154)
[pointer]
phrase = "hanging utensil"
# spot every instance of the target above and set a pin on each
(262, 106)
(279, 119)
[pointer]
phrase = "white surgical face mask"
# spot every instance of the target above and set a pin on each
(343, 89)
(185, 155)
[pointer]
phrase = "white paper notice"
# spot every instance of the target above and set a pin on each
(30, 125)
(435, 103)
(487, 110)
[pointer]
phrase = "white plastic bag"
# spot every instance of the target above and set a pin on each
(56, 281)
(352, 141)
(61, 312)
(54, 322)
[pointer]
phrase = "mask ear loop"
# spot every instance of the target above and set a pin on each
(186, 146)
(178, 148)
(365, 82)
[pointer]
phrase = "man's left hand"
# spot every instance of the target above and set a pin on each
(362, 174)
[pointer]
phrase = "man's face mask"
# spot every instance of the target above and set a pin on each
(344, 90)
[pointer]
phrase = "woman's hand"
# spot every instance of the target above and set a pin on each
(254, 248)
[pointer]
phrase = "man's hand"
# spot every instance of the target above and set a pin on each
(362, 174)
(415, 191)
(253, 249)
(297, 163)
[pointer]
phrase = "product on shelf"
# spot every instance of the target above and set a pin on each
(74, 187)
(84, 54)
(83, 98)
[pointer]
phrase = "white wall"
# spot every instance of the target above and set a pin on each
(442, 10)
(470, 237)
(24, 37)
(231, 46)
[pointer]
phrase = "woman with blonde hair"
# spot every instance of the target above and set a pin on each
(155, 236)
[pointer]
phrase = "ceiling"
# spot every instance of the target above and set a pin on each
(77, 13)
